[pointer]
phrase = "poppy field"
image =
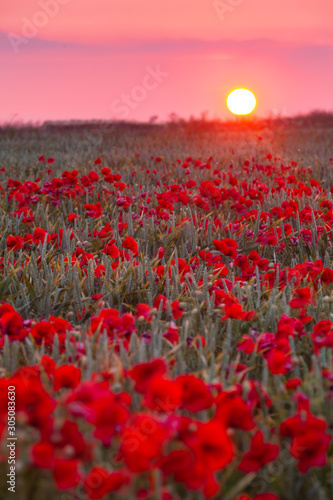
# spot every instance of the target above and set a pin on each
(166, 316)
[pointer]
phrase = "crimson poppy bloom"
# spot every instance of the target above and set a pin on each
(99, 482)
(130, 244)
(259, 454)
(227, 246)
(301, 298)
(309, 439)
(143, 373)
(66, 376)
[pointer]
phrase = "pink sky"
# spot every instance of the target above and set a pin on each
(85, 59)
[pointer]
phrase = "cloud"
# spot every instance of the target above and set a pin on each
(213, 49)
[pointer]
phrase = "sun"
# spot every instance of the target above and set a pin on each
(241, 101)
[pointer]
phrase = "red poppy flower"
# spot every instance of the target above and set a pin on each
(66, 473)
(293, 384)
(301, 298)
(163, 395)
(111, 250)
(72, 217)
(99, 482)
(226, 246)
(322, 334)
(143, 373)
(232, 411)
(142, 442)
(177, 311)
(246, 344)
(143, 311)
(14, 242)
(48, 364)
(66, 376)
(94, 211)
(97, 296)
(259, 454)
(130, 244)
(93, 176)
(43, 330)
(309, 440)
(42, 455)
(195, 394)
(211, 445)
(160, 253)
(11, 323)
(40, 234)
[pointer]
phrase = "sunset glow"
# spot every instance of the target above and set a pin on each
(77, 59)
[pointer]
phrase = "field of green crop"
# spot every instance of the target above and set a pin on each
(166, 310)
